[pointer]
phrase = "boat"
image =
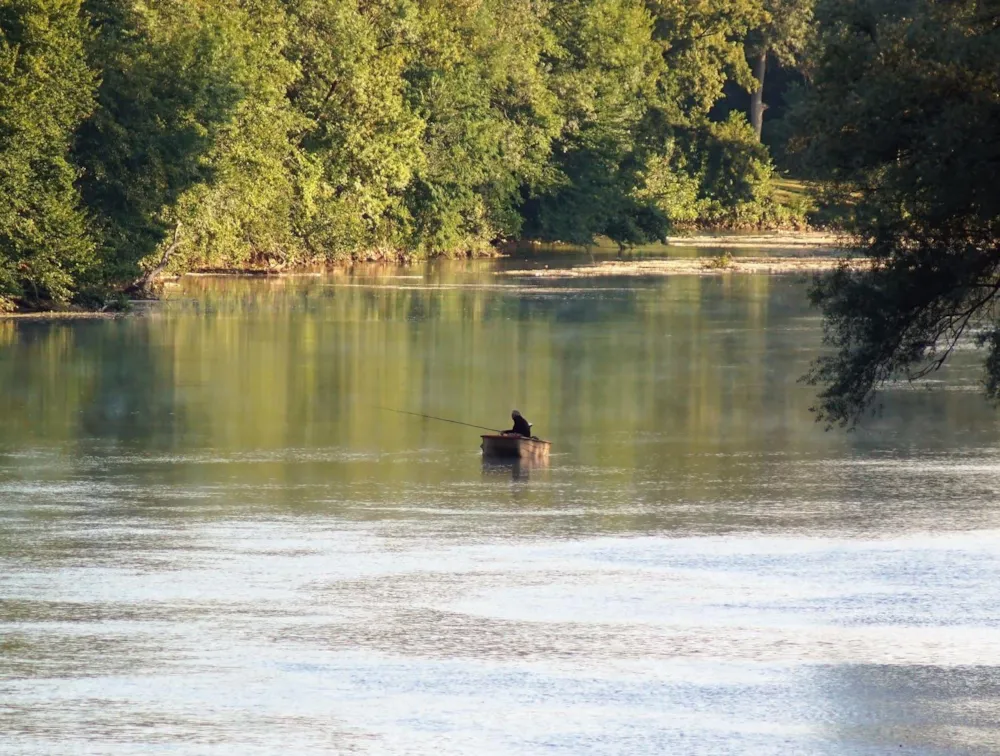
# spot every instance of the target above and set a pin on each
(511, 445)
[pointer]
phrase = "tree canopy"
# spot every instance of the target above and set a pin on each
(903, 117)
(46, 91)
(279, 132)
(784, 34)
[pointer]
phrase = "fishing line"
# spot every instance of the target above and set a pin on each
(442, 419)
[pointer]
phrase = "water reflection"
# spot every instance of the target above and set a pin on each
(515, 469)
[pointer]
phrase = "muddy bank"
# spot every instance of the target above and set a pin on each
(690, 266)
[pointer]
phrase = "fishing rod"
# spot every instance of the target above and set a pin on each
(442, 419)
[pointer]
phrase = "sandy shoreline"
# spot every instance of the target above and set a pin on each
(697, 266)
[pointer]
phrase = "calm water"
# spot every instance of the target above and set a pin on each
(213, 540)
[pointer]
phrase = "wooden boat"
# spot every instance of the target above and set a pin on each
(511, 445)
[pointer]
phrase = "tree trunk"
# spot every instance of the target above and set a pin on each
(144, 283)
(757, 105)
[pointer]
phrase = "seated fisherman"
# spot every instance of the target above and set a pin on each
(521, 426)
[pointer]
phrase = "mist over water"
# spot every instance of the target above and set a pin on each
(214, 539)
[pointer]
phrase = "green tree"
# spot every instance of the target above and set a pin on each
(169, 82)
(361, 143)
(426, 118)
(701, 42)
(46, 89)
(700, 170)
(480, 87)
(904, 117)
(604, 74)
(248, 207)
(784, 36)
(281, 132)
(640, 152)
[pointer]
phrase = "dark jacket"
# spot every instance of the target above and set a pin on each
(521, 426)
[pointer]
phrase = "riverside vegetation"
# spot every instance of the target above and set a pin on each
(141, 135)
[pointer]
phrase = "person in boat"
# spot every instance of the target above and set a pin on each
(521, 426)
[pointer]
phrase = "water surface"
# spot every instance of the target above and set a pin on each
(213, 539)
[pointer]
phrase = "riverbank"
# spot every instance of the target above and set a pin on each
(697, 266)
(810, 251)
(135, 306)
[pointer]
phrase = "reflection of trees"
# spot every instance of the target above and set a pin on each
(131, 397)
(661, 381)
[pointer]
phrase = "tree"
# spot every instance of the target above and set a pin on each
(248, 206)
(480, 87)
(903, 117)
(46, 90)
(141, 134)
(784, 35)
(169, 82)
(699, 169)
(701, 42)
(360, 144)
(638, 153)
(604, 74)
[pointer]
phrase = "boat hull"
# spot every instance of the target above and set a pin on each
(515, 447)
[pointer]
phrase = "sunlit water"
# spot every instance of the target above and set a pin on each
(214, 540)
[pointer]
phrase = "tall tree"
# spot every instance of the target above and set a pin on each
(698, 169)
(248, 207)
(639, 151)
(783, 36)
(480, 87)
(169, 81)
(904, 116)
(235, 132)
(361, 141)
(604, 74)
(46, 89)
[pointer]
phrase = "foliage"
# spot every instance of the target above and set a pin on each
(361, 142)
(702, 46)
(639, 152)
(46, 89)
(602, 73)
(170, 133)
(903, 118)
(245, 209)
(785, 32)
(783, 36)
(490, 119)
(720, 262)
(169, 82)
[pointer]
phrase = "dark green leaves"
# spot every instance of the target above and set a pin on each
(904, 116)
(46, 89)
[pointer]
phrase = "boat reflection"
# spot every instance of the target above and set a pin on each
(517, 469)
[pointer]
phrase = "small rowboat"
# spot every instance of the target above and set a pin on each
(512, 445)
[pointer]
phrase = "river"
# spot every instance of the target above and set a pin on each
(215, 539)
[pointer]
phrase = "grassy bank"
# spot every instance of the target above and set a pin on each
(813, 202)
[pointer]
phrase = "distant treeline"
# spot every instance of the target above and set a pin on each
(136, 134)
